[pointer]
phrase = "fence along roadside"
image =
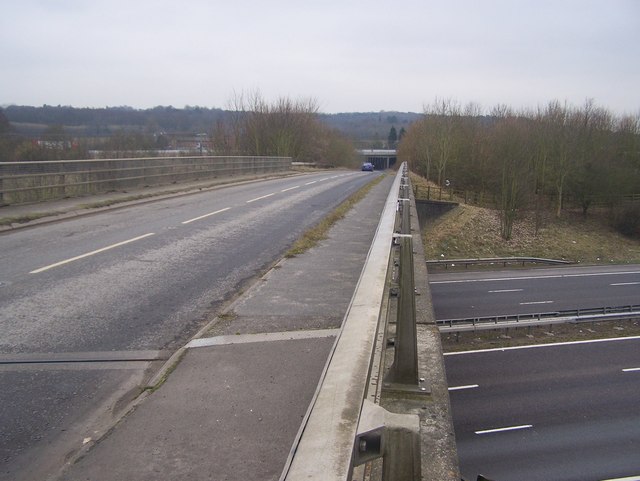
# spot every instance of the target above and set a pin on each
(22, 182)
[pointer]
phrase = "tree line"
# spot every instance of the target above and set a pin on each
(284, 127)
(252, 126)
(103, 122)
(545, 159)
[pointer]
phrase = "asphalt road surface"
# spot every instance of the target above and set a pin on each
(561, 412)
(88, 306)
(470, 294)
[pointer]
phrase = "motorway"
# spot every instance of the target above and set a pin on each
(472, 294)
(561, 412)
(556, 412)
(89, 307)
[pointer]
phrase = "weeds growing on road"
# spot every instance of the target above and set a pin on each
(26, 218)
(319, 232)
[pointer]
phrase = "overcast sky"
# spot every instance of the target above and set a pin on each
(350, 55)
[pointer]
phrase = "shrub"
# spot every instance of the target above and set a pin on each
(626, 219)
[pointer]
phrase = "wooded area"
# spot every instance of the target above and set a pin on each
(286, 127)
(252, 126)
(544, 160)
(56, 132)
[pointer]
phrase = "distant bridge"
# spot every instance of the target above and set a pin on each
(381, 159)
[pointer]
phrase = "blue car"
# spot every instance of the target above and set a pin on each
(367, 166)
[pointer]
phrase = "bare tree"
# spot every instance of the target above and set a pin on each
(512, 155)
(560, 149)
(286, 128)
(442, 118)
(554, 157)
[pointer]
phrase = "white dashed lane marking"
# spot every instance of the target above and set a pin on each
(98, 251)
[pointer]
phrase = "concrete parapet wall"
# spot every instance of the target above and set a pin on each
(24, 182)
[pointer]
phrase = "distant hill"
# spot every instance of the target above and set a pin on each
(99, 122)
(363, 128)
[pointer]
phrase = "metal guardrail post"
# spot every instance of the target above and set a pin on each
(403, 374)
(404, 200)
(393, 437)
(405, 218)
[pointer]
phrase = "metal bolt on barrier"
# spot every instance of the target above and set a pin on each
(393, 437)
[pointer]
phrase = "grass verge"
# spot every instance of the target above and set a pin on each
(469, 232)
(319, 232)
(524, 336)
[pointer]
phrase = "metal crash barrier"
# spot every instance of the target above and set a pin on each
(344, 428)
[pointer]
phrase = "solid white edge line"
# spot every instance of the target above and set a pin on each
(67, 261)
(260, 198)
(206, 215)
(558, 276)
(631, 369)
(630, 478)
(501, 430)
(460, 388)
(290, 188)
(495, 279)
(532, 346)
